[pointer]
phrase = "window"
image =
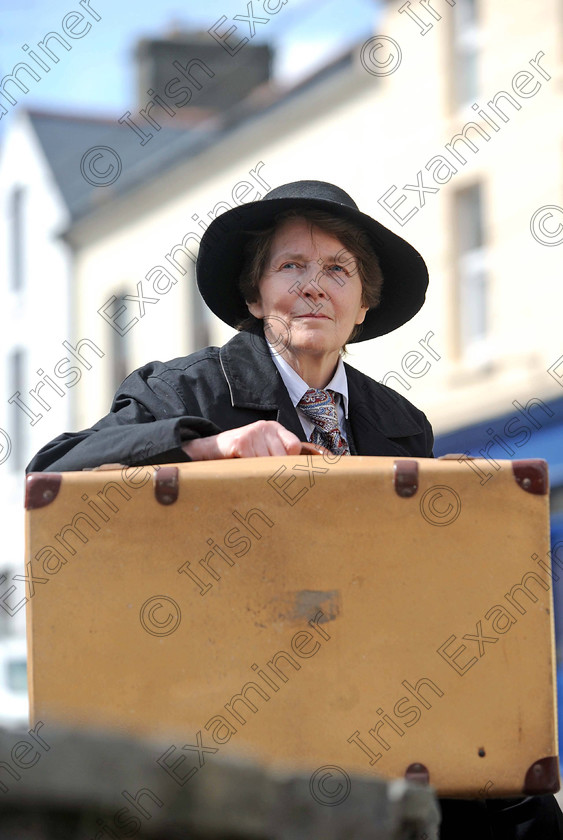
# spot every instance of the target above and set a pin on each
(16, 675)
(465, 47)
(120, 345)
(472, 274)
(199, 333)
(5, 618)
(17, 201)
(16, 386)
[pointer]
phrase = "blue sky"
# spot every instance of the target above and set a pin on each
(96, 75)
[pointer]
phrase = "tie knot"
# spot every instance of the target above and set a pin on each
(319, 406)
(317, 398)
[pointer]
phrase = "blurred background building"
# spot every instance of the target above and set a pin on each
(443, 122)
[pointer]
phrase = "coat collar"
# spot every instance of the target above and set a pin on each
(377, 414)
(254, 381)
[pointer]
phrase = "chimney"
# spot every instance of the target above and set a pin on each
(190, 70)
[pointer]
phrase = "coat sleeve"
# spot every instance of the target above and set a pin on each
(147, 424)
(532, 818)
(428, 437)
(529, 818)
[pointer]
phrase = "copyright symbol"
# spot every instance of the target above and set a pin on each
(440, 505)
(543, 234)
(160, 615)
(380, 64)
(100, 166)
(5, 446)
(277, 332)
(330, 785)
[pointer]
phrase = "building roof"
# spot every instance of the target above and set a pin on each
(66, 138)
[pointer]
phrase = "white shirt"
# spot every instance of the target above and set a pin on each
(297, 387)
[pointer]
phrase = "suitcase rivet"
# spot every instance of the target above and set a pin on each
(48, 495)
(166, 485)
(526, 483)
(481, 752)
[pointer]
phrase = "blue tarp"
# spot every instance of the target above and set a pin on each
(531, 430)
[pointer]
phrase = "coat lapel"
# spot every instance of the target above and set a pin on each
(377, 416)
(255, 383)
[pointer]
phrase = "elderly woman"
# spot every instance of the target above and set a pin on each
(300, 274)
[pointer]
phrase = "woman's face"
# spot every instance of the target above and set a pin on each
(310, 290)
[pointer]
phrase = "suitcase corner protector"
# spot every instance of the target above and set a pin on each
(531, 475)
(542, 776)
(41, 489)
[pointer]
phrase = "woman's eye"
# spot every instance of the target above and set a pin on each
(289, 265)
(336, 268)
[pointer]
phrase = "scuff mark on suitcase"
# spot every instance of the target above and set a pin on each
(295, 606)
(307, 600)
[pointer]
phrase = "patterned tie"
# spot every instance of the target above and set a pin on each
(320, 408)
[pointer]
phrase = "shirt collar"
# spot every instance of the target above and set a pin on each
(297, 387)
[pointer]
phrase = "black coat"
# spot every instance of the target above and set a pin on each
(161, 405)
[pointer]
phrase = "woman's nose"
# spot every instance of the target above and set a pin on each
(313, 280)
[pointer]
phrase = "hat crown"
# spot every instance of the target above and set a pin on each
(319, 190)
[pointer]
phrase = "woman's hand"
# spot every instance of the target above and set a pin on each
(265, 437)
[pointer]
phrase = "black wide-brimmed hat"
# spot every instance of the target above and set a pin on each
(222, 254)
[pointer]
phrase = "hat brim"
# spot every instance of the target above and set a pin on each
(222, 253)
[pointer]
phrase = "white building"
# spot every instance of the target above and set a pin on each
(35, 278)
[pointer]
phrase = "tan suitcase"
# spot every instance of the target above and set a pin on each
(380, 616)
